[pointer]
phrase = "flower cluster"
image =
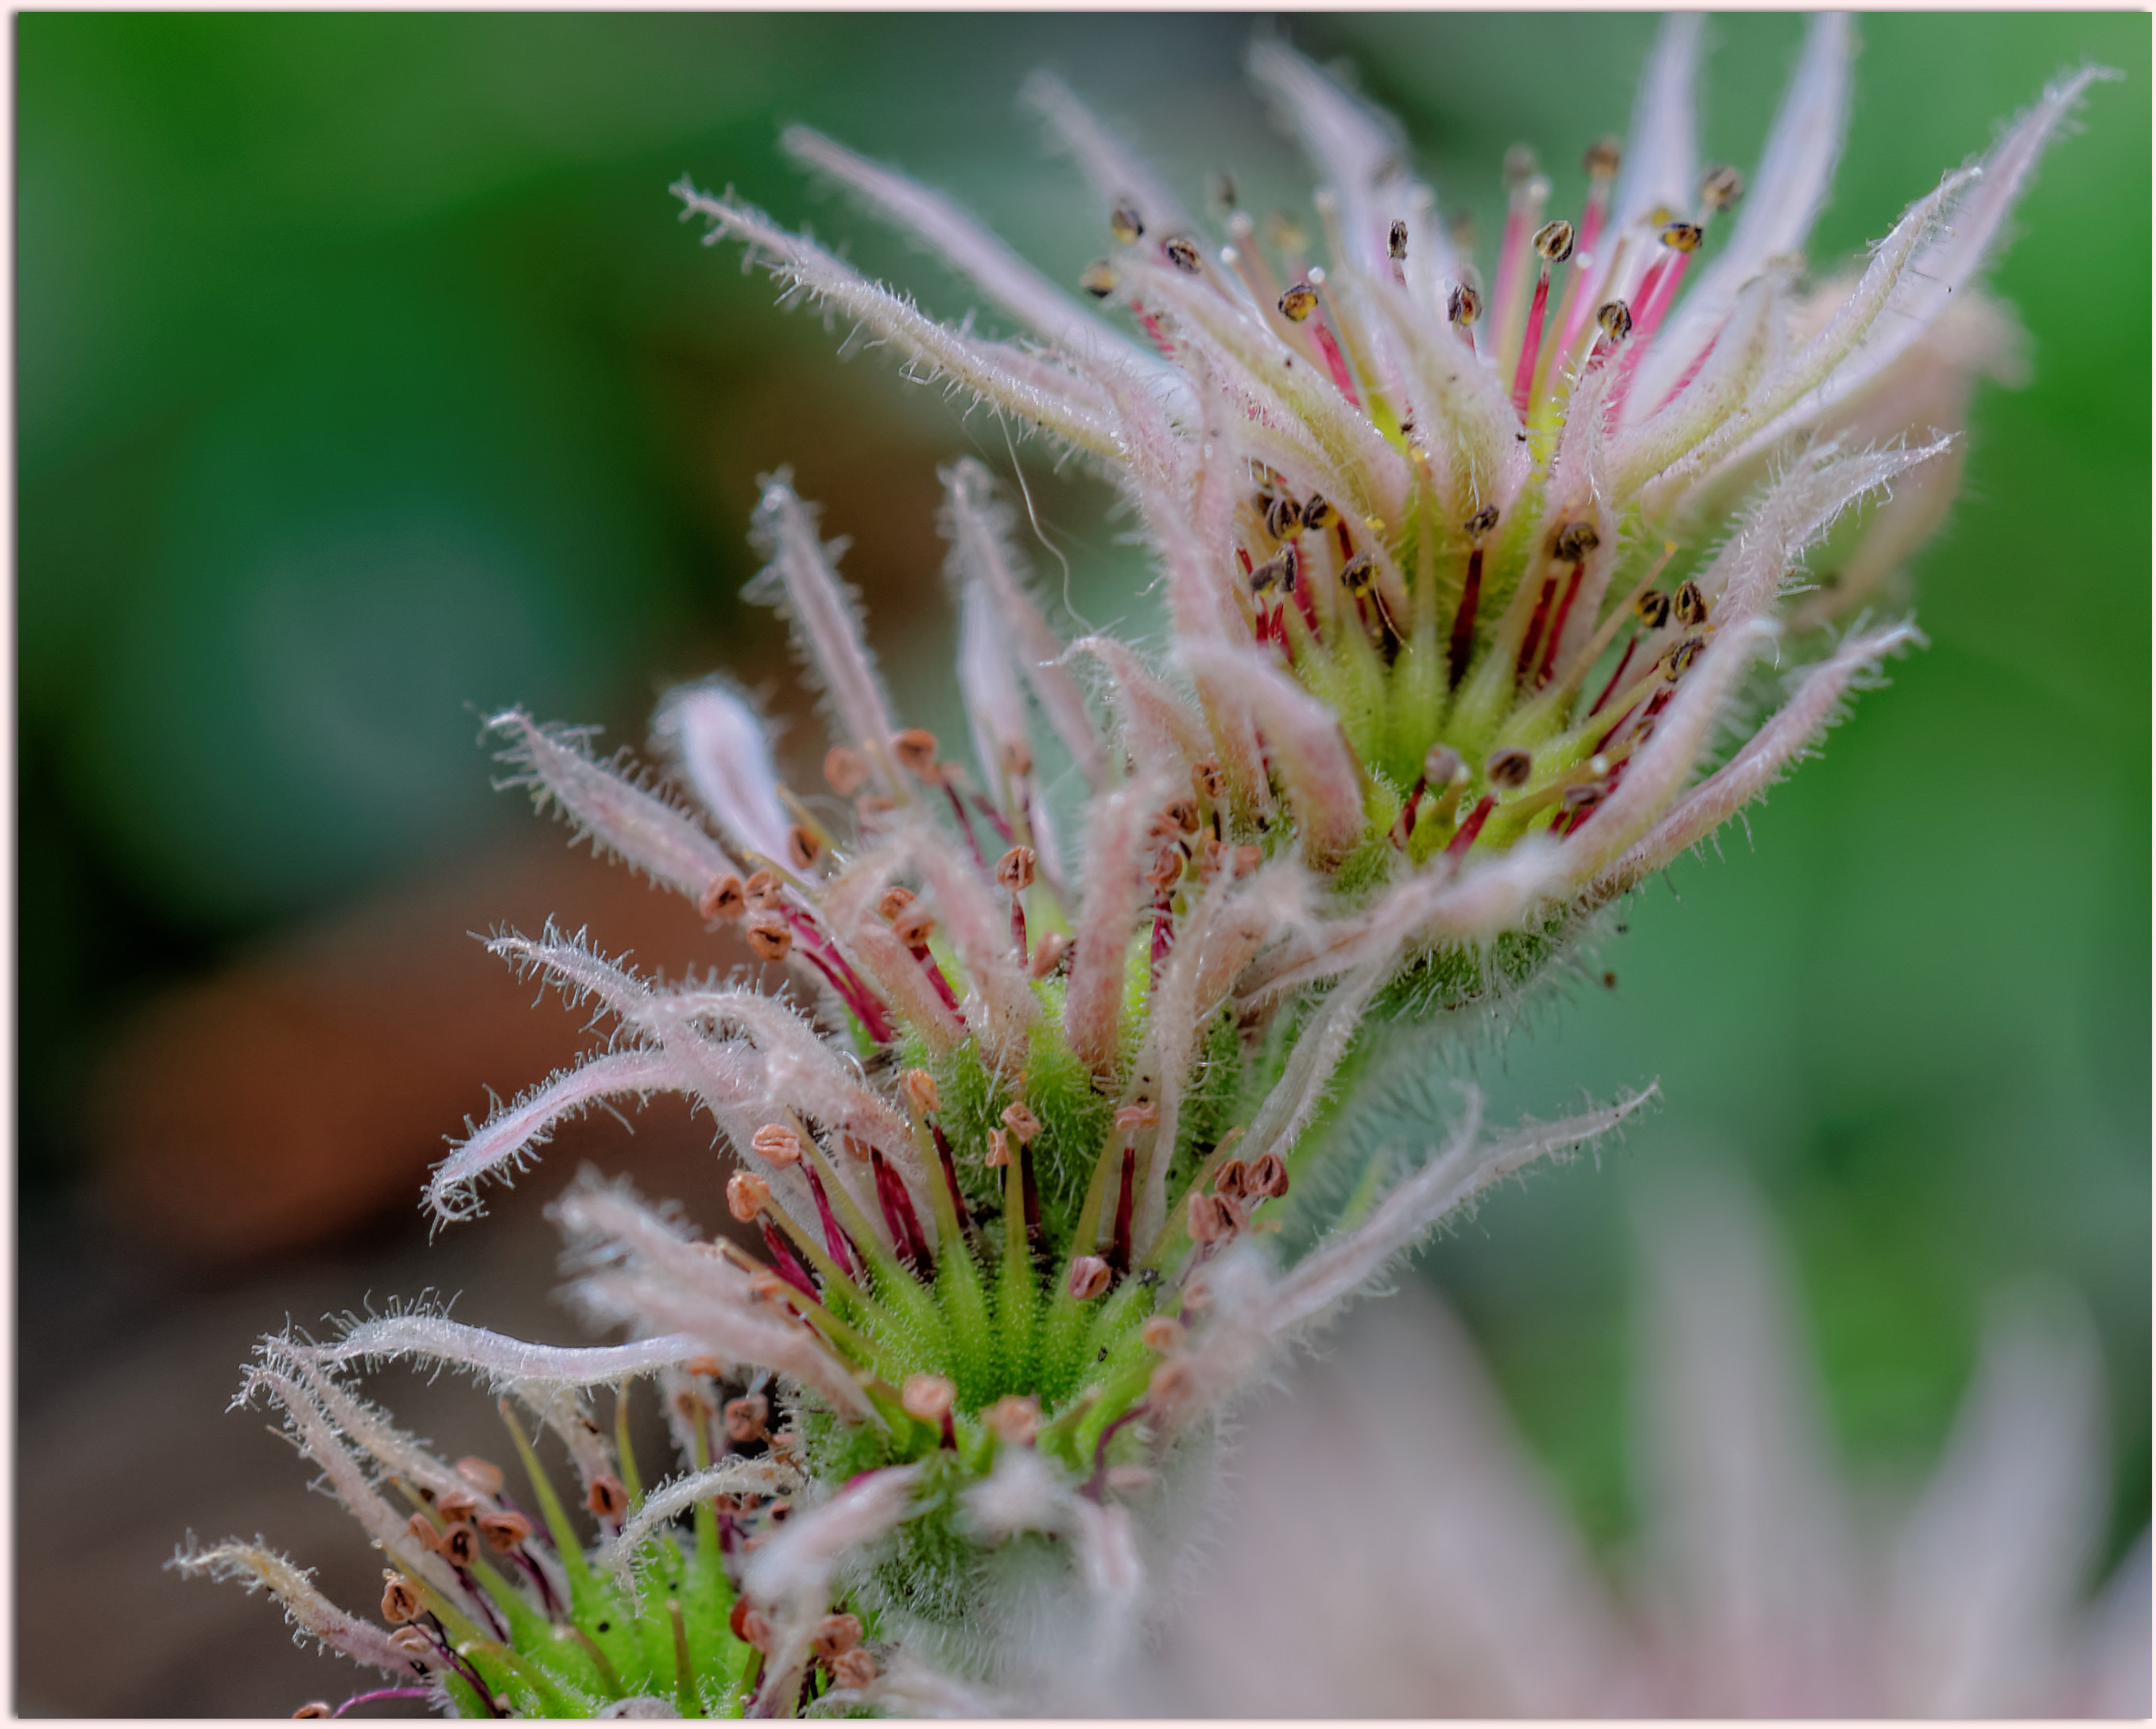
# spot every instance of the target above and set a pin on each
(1465, 581)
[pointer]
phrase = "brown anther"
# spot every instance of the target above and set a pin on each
(870, 809)
(460, 1545)
(1396, 242)
(605, 1497)
(1184, 254)
(1615, 318)
(423, 1532)
(855, 1669)
(1098, 280)
(1172, 1383)
(317, 1708)
(750, 1624)
(1221, 185)
(692, 1407)
(1089, 1276)
(1275, 574)
(1166, 869)
(1584, 792)
(457, 1504)
(915, 925)
(919, 1086)
(747, 1195)
(417, 1643)
(1359, 574)
(1603, 158)
(915, 749)
(775, 1144)
(1652, 609)
(400, 1598)
(893, 901)
(1720, 187)
(1508, 769)
(1213, 1218)
(1298, 303)
(1185, 812)
(1246, 859)
(1013, 1419)
(504, 1532)
(927, 1398)
(761, 889)
(1442, 765)
(845, 770)
(1162, 1334)
(1519, 167)
(1317, 512)
(1463, 305)
(803, 848)
(1691, 605)
(1021, 1122)
(835, 1635)
(1682, 236)
(768, 1288)
(1283, 516)
(1682, 656)
(1553, 241)
(483, 1474)
(1135, 1116)
(1014, 870)
(855, 1148)
(770, 937)
(1268, 1177)
(1211, 784)
(1048, 954)
(724, 899)
(998, 1153)
(1480, 523)
(748, 1418)
(1125, 223)
(1017, 756)
(1232, 1180)
(1575, 540)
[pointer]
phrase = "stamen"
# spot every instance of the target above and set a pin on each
(1098, 280)
(835, 1243)
(787, 1265)
(929, 1398)
(1329, 348)
(1553, 243)
(1529, 192)
(1125, 223)
(1577, 541)
(1462, 307)
(899, 1219)
(1478, 526)
(1603, 158)
(1013, 1419)
(1510, 769)
(1463, 837)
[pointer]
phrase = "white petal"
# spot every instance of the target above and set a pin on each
(1114, 170)
(720, 740)
(1303, 738)
(1661, 157)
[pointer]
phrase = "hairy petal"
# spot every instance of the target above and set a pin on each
(1661, 156)
(667, 1502)
(1160, 729)
(1115, 890)
(1114, 171)
(504, 1361)
(311, 1614)
(1303, 739)
(719, 739)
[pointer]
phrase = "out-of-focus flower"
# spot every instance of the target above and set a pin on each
(1452, 638)
(1387, 1547)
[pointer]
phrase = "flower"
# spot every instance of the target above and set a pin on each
(1011, 1137)
(1427, 1571)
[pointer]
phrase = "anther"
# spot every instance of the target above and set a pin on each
(1481, 522)
(1184, 254)
(1014, 1418)
(1682, 656)
(1222, 186)
(748, 1418)
(1014, 870)
(927, 1398)
(1553, 241)
(1720, 187)
(1017, 759)
(504, 1532)
(1396, 243)
(835, 1635)
(855, 1669)
(1298, 303)
(915, 925)
(919, 1086)
(417, 1643)
(724, 899)
(1690, 604)
(1125, 223)
(1021, 1122)
(775, 1144)
(747, 1195)
(1098, 280)
(1268, 1177)
(1359, 574)
(1652, 609)
(1129, 1117)
(1575, 540)
(400, 1601)
(460, 1545)
(1603, 158)
(1463, 305)
(1089, 1276)
(761, 888)
(1442, 766)
(1213, 1218)
(750, 1624)
(1048, 954)
(845, 770)
(1508, 769)
(605, 1497)
(1230, 1179)
(457, 1504)
(769, 936)
(1283, 516)
(802, 848)
(1615, 318)
(1682, 236)
(893, 901)
(1183, 813)
(707, 1367)
(1162, 1334)
(916, 748)
(423, 1532)
(483, 1474)
(998, 1153)
(317, 1708)
(1317, 512)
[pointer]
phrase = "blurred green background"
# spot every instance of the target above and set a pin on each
(366, 380)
